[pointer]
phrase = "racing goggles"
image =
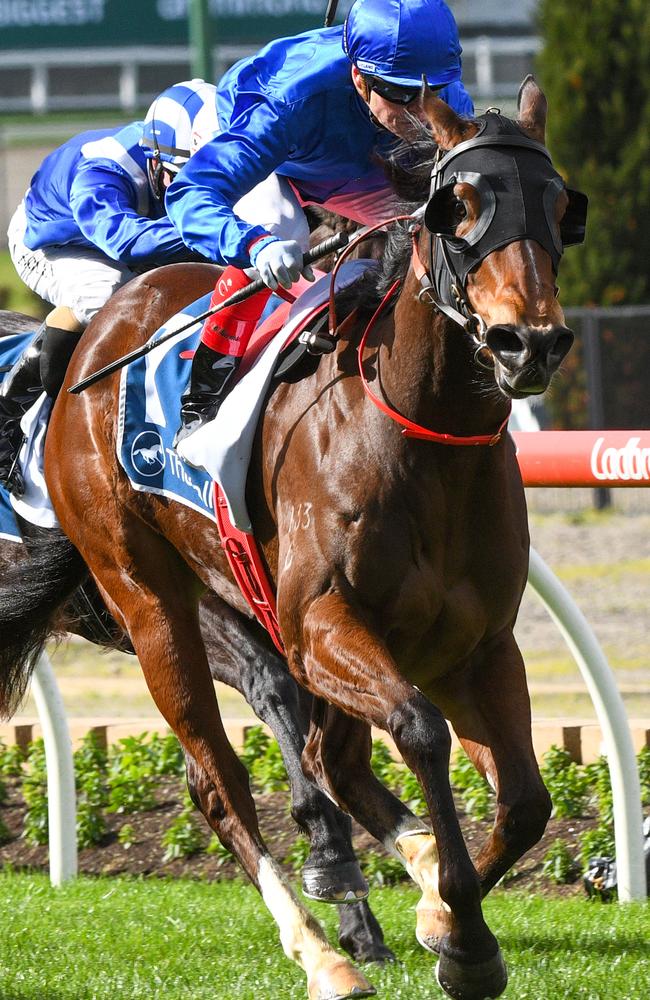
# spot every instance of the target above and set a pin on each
(392, 92)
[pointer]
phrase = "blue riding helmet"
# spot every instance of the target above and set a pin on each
(179, 122)
(402, 40)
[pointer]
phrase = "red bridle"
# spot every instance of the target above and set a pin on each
(410, 429)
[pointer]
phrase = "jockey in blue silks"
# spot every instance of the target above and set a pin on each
(301, 123)
(93, 217)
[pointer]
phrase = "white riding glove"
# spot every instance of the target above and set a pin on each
(279, 262)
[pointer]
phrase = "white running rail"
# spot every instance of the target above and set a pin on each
(62, 805)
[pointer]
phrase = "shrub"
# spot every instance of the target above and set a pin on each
(130, 776)
(643, 761)
(183, 837)
(567, 784)
(91, 780)
(256, 742)
(597, 775)
(559, 864)
(5, 835)
(263, 760)
(475, 793)
(126, 836)
(381, 870)
(34, 788)
(166, 754)
(384, 767)
(411, 793)
(598, 843)
(219, 850)
(298, 854)
(12, 761)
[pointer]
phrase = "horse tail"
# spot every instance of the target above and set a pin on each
(31, 591)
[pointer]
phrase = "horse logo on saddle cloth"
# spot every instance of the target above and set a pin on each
(209, 470)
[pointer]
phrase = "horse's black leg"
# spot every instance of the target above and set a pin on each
(331, 872)
(492, 720)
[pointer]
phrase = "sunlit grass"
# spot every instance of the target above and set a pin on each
(162, 940)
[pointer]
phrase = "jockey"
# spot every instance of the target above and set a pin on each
(301, 123)
(94, 217)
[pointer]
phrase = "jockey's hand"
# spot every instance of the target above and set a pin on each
(279, 262)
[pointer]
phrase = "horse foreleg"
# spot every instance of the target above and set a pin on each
(335, 741)
(158, 603)
(331, 872)
(338, 658)
(493, 722)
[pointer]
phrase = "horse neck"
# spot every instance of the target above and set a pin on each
(428, 373)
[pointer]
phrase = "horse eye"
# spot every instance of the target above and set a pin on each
(459, 211)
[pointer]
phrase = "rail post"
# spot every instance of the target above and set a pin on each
(61, 799)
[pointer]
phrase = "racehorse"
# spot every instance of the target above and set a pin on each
(399, 559)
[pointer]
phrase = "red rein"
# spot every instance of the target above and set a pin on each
(411, 429)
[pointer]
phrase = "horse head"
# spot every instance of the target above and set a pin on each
(502, 217)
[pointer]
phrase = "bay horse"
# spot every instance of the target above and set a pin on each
(399, 561)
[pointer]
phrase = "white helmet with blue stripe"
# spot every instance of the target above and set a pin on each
(180, 120)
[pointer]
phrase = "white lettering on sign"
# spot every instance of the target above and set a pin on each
(30, 13)
(627, 463)
(174, 10)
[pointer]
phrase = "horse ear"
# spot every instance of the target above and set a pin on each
(447, 127)
(532, 107)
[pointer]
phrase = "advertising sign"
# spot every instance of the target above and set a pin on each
(32, 24)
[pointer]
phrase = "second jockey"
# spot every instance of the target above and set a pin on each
(94, 217)
(301, 123)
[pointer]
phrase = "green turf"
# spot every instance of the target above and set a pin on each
(163, 940)
(14, 294)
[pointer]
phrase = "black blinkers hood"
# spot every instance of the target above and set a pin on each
(518, 188)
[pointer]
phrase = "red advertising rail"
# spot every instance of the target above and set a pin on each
(584, 458)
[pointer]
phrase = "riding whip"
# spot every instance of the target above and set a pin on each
(331, 12)
(328, 246)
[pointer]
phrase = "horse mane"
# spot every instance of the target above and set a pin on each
(407, 166)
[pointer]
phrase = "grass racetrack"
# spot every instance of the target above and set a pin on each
(112, 939)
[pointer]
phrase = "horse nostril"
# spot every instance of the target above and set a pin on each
(505, 342)
(561, 345)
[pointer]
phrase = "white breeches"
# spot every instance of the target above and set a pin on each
(77, 277)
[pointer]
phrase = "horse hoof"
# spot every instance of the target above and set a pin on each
(431, 927)
(339, 982)
(335, 883)
(472, 982)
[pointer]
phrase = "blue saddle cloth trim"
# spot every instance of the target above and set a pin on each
(11, 348)
(8, 525)
(149, 416)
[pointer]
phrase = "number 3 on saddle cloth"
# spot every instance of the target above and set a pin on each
(214, 484)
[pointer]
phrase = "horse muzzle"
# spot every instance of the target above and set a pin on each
(526, 358)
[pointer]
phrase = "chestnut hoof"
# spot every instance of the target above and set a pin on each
(463, 981)
(335, 884)
(338, 982)
(431, 927)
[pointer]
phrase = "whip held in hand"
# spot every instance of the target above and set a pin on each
(328, 246)
(331, 12)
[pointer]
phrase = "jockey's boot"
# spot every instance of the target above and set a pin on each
(41, 367)
(211, 374)
(223, 341)
(18, 392)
